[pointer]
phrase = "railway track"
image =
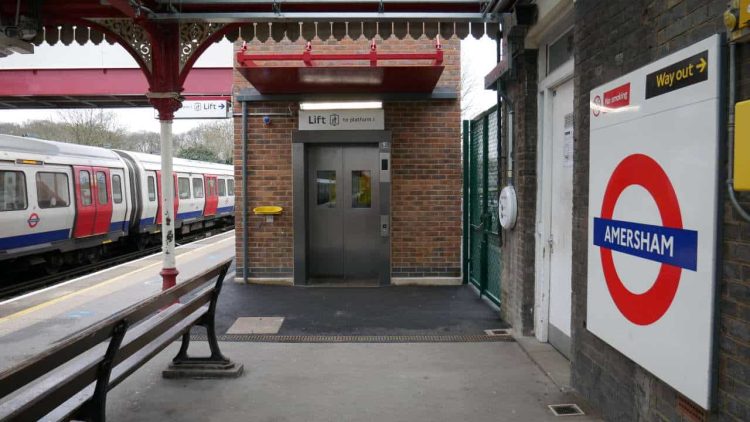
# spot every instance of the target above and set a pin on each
(16, 289)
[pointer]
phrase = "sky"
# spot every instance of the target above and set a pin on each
(479, 53)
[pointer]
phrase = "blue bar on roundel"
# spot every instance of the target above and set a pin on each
(678, 247)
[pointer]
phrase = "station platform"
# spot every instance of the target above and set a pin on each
(310, 353)
(29, 324)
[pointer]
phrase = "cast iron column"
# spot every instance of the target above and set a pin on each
(166, 103)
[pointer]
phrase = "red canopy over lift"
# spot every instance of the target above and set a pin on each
(310, 78)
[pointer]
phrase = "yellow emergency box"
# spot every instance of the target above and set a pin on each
(742, 146)
(744, 21)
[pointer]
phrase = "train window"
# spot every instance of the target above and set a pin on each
(151, 189)
(212, 187)
(197, 188)
(101, 187)
(12, 191)
(230, 187)
(85, 181)
(222, 187)
(116, 188)
(183, 187)
(52, 190)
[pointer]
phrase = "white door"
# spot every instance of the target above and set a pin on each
(561, 216)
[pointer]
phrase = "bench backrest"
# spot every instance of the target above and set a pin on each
(41, 386)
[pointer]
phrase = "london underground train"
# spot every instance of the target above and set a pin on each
(64, 203)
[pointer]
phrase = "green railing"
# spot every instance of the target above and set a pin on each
(482, 261)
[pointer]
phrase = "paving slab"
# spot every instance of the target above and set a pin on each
(350, 382)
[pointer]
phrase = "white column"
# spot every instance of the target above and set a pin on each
(167, 189)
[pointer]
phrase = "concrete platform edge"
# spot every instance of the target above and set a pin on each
(554, 365)
(426, 281)
(274, 281)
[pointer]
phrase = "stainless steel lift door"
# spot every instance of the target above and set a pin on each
(344, 214)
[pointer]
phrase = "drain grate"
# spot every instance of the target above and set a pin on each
(264, 338)
(566, 409)
(498, 332)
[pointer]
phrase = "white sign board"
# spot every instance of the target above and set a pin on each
(652, 216)
(366, 119)
(208, 109)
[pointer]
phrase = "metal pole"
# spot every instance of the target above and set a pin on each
(245, 201)
(166, 103)
(466, 138)
(169, 271)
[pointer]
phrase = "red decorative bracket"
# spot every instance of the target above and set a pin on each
(246, 59)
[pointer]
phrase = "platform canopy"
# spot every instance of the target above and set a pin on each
(83, 21)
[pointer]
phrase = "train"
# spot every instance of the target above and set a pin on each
(67, 204)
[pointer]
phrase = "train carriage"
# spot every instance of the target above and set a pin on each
(59, 197)
(65, 203)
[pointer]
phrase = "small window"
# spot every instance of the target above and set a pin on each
(212, 187)
(197, 188)
(151, 189)
(230, 187)
(326, 181)
(12, 191)
(222, 187)
(116, 188)
(183, 187)
(85, 181)
(101, 187)
(52, 190)
(559, 52)
(361, 189)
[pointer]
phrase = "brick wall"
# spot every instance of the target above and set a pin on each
(517, 280)
(426, 170)
(426, 193)
(613, 38)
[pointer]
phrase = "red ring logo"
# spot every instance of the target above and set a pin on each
(597, 105)
(33, 220)
(645, 308)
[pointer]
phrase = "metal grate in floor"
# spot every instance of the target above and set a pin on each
(264, 338)
(566, 410)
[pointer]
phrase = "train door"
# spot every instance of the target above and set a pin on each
(212, 196)
(103, 200)
(223, 206)
(119, 202)
(150, 199)
(199, 196)
(53, 212)
(174, 190)
(85, 208)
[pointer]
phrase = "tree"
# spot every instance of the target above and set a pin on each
(92, 127)
(216, 136)
(199, 152)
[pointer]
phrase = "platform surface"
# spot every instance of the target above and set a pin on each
(31, 323)
(474, 382)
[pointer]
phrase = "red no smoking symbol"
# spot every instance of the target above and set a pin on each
(645, 308)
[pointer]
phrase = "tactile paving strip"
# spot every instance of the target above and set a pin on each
(265, 338)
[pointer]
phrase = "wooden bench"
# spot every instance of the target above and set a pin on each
(71, 379)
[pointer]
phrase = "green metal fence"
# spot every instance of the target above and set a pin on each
(482, 263)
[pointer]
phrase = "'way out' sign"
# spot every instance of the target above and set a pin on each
(652, 216)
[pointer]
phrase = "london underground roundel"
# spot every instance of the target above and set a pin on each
(653, 210)
(669, 244)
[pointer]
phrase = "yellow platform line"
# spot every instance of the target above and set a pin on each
(95, 286)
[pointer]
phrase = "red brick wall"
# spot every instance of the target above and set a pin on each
(426, 192)
(426, 171)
